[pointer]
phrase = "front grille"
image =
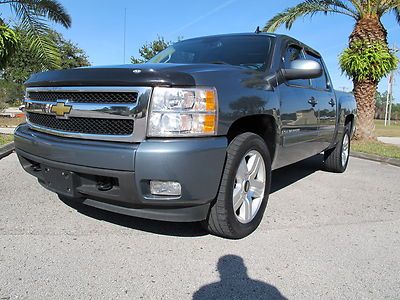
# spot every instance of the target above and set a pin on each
(83, 125)
(85, 97)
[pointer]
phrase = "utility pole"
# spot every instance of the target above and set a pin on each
(389, 98)
(390, 103)
(124, 36)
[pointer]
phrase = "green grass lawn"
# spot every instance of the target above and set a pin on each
(377, 148)
(6, 138)
(391, 131)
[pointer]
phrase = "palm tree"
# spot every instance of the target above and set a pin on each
(32, 17)
(368, 57)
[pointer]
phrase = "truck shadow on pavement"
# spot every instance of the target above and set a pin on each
(281, 178)
(236, 284)
(288, 175)
(152, 226)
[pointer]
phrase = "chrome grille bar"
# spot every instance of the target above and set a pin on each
(85, 110)
(91, 111)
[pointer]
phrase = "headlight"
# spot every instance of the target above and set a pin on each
(183, 112)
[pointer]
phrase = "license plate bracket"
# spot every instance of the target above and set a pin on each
(59, 181)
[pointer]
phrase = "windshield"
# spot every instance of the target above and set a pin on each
(246, 51)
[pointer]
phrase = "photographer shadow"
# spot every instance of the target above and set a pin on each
(236, 284)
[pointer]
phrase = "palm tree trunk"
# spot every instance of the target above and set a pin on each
(364, 92)
(369, 29)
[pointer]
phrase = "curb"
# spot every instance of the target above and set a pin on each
(373, 157)
(7, 149)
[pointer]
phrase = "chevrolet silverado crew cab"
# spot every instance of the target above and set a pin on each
(191, 135)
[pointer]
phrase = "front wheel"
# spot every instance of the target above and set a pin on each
(244, 189)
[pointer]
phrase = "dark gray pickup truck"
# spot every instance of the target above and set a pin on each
(192, 135)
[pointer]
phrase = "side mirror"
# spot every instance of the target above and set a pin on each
(302, 69)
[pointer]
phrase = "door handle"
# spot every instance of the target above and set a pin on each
(313, 101)
(332, 102)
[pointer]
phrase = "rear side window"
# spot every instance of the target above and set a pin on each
(293, 53)
(320, 82)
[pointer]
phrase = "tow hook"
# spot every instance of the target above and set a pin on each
(104, 184)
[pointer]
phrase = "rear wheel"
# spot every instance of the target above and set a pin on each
(337, 159)
(244, 190)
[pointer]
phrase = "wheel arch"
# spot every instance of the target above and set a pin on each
(350, 120)
(264, 126)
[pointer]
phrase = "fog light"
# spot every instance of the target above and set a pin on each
(165, 188)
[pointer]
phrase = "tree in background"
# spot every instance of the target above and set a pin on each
(31, 17)
(25, 63)
(71, 55)
(149, 50)
(368, 57)
(380, 104)
(8, 44)
(11, 94)
(380, 107)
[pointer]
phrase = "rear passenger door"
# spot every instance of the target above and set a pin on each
(299, 113)
(325, 96)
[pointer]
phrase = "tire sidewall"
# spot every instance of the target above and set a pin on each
(253, 142)
(346, 132)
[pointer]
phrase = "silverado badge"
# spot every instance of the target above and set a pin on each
(60, 109)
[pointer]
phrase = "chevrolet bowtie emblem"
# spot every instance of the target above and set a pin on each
(60, 109)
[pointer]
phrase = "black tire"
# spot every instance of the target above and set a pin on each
(221, 220)
(333, 157)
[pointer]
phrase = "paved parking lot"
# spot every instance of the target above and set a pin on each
(323, 236)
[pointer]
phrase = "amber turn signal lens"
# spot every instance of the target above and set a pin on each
(209, 124)
(210, 100)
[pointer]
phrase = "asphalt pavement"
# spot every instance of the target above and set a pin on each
(324, 235)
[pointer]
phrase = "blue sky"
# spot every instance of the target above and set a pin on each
(97, 27)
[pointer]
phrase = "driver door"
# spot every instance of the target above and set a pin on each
(299, 113)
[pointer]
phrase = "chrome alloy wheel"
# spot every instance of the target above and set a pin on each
(249, 186)
(345, 149)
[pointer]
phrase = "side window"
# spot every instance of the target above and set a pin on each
(293, 53)
(320, 82)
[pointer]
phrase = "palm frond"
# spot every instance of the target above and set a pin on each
(49, 9)
(385, 6)
(364, 61)
(52, 10)
(309, 8)
(37, 34)
(358, 6)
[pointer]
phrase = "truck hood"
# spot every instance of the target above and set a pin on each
(126, 75)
